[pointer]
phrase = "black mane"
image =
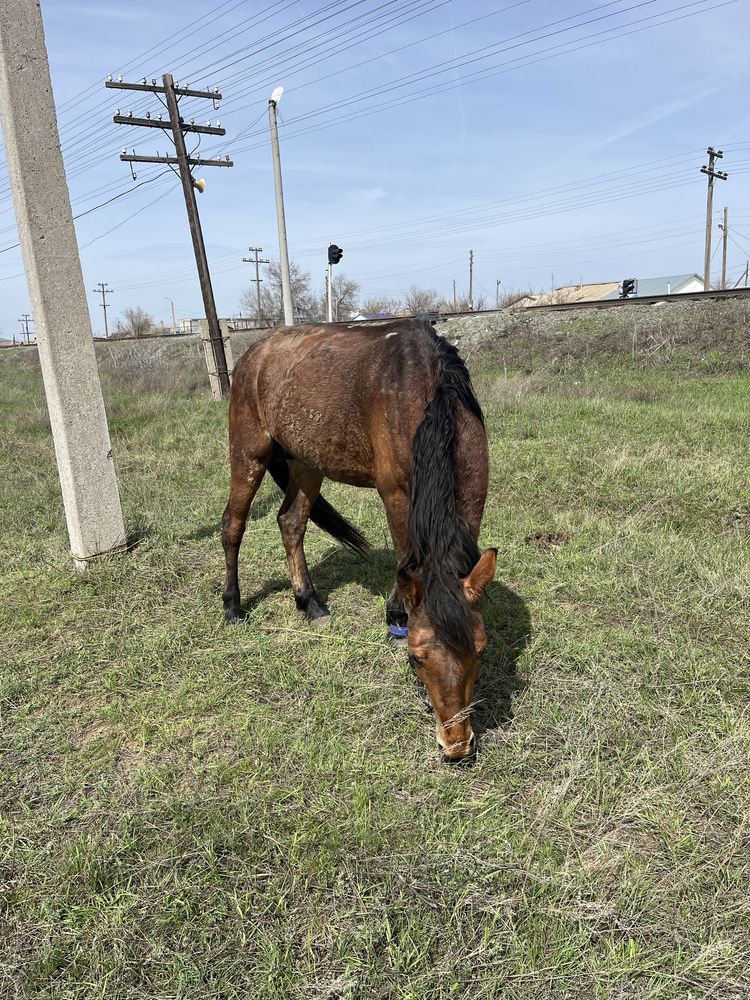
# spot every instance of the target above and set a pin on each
(442, 549)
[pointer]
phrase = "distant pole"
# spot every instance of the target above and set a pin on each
(455, 304)
(497, 293)
(103, 290)
(713, 156)
(725, 241)
(329, 289)
(199, 247)
(24, 321)
(471, 280)
(174, 319)
(58, 295)
(286, 281)
(257, 251)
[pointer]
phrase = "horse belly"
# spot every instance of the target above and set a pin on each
(334, 441)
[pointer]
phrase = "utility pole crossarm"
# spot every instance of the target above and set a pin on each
(191, 161)
(156, 123)
(154, 88)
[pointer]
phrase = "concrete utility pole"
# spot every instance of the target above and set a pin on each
(220, 377)
(257, 279)
(471, 280)
(725, 240)
(24, 321)
(58, 296)
(104, 291)
(286, 281)
(713, 156)
(455, 307)
(497, 293)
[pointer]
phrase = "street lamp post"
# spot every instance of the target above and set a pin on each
(174, 321)
(286, 284)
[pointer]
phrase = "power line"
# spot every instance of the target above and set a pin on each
(520, 62)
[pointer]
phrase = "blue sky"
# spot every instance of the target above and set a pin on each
(550, 138)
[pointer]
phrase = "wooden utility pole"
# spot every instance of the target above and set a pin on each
(471, 280)
(58, 295)
(725, 240)
(257, 279)
(713, 156)
(178, 128)
(104, 291)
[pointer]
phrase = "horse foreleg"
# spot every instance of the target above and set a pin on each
(396, 505)
(247, 475)
(301, 494)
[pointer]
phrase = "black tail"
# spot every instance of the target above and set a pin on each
(322, 513)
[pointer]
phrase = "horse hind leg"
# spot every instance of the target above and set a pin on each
(247, 475)
(301, 494)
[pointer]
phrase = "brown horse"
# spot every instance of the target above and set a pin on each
(390, 407)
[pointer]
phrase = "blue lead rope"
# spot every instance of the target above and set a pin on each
(398, 631)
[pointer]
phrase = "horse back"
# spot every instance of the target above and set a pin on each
(342, 399)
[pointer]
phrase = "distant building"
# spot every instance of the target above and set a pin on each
(670, 284)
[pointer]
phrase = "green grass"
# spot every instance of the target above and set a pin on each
(192, 810)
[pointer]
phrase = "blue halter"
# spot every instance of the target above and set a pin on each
(398, 631)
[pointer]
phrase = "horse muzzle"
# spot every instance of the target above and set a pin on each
(457, 749)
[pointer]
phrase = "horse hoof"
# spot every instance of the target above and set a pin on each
(317, 613)
(232, 615)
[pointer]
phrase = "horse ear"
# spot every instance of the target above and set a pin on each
(410, 588)
(482, 574)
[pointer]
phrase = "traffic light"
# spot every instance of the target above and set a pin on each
(334, 254)
(628, 287)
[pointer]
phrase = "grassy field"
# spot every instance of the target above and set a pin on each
(192, 810)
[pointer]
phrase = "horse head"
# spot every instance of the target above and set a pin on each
(448, 668)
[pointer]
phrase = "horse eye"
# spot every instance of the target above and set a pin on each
(415, 661)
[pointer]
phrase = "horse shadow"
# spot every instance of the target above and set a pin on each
(505, 613)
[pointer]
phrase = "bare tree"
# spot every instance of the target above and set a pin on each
(307, 306)
(134, 322)
(421, 300)
(345, 291)
(374, 306)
